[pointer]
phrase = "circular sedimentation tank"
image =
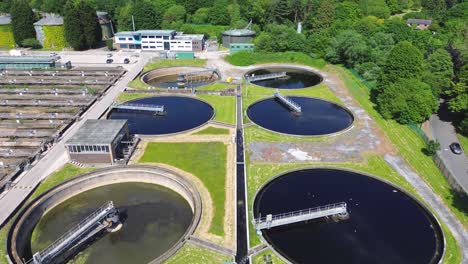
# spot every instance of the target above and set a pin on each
(317, 117)
(181, 114)
(384, 224)
(171, 78)
(296, 77)
(157, 207)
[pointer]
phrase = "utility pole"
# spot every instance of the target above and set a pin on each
(133, 23)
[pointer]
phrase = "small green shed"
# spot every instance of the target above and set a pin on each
(236, 47)
(185, 55)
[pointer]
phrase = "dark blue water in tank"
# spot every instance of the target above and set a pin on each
(296, 78)
(384, 226)
(318, 117)
(182, 113)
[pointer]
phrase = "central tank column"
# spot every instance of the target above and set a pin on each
(242, 239)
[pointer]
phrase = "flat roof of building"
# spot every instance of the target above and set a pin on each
(15, 59)
(50, 20)
(146, 32)
(190, 36)
(5, 20)
(419, 21)
(97, 132)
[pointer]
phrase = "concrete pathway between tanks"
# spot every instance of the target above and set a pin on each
(56, 157)
(434, 201)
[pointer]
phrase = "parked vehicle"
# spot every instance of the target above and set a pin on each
(109, 55)
(108, 61)
(126, 61)
(456, 148)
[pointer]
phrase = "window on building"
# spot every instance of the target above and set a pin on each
(187, 42)
(151, 36)
(123, 46)
(106, 148)
(144, 37)
(152, 47)
(166, 37)
(130, 38)
(158, 37)
(145, 47)
(123, 39)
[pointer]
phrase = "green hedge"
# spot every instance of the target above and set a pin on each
(6, 36)
(54, 37)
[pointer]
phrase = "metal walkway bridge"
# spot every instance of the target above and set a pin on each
(275, 75)
(87, 228)
(288, 102)
(158, 109)
(298, 216)
(200, 72)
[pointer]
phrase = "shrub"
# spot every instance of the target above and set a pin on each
(431, 148)
(31, 43)
(110, 44)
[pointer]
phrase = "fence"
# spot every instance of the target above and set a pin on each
(418, 131)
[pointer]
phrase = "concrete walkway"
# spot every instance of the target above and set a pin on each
(56, 157)
(210, 245)
(444, 132)
(434, 201)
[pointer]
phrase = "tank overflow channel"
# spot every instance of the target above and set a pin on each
(156, 109)
(106, 217)
(337, 209)
(288, 102)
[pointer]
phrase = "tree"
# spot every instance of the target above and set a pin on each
(201, 16)
(5, 6)
(349, 47)
(439, 71)
(324, 17)
(74, 33)
(90, 24)
(234, 11)
(144, 13)
(404, 62)
(280, 11)
(347, 10)
(393, 6)
(399, 30)
(435, 8)
(376, 8)
(53, 6)
(219, 13)
(458, 93)
(174, 13)
(22, 20)
(407, 101)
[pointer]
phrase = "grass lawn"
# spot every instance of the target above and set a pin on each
(245, 58)
(213, 131)
(207, 161)
(164, 63)
(225, 107)
(258, 259)
(409, 145)
(216, 87)
(257, 174)
(66, 172)
(191, 254)
(463, 142)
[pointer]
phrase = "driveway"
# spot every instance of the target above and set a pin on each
(443, 130)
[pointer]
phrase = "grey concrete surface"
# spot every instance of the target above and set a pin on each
(445, 133)
(56, 156)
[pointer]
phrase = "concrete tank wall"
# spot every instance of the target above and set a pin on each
(24, 224)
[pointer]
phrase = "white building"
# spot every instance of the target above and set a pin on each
(159, 40)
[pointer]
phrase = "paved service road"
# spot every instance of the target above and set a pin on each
(444, 132)
(56, 156)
